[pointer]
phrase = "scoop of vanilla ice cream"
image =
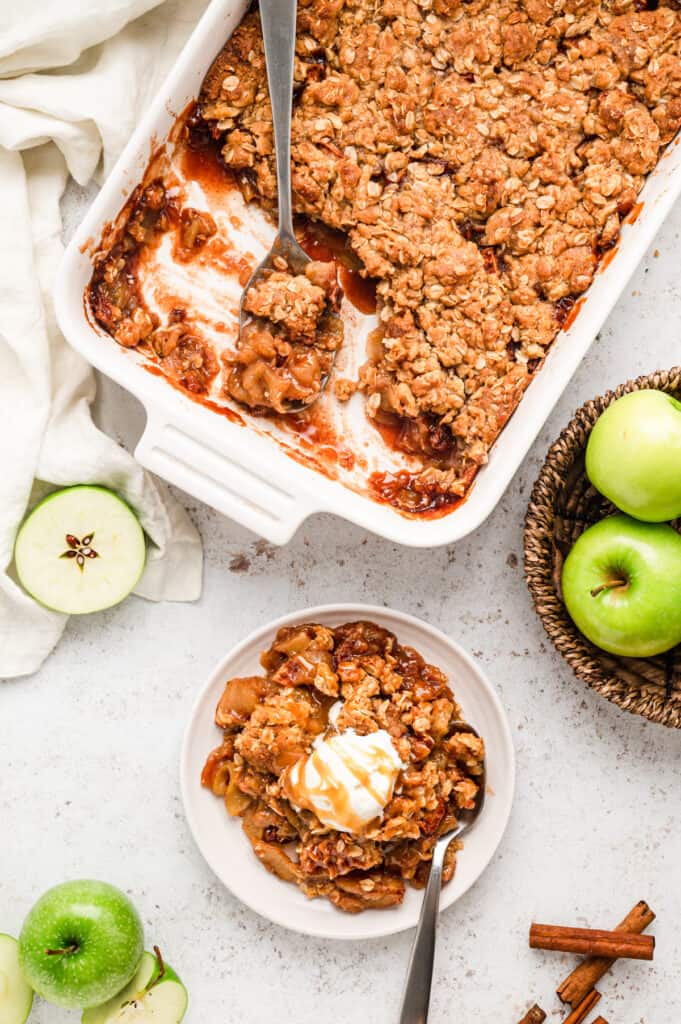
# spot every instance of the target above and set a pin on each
(347, 780)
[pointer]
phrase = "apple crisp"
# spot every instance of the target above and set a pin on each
(481, 157)
(473, 159)
(285, 352)
(353, 679)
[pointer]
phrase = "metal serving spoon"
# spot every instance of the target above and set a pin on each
(416, 997)
(278, 20)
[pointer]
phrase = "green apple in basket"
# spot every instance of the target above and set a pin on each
(622, 586)
(16, 995)
(634, 455)
(81, 550)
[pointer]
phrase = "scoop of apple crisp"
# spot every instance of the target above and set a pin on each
(285, 352)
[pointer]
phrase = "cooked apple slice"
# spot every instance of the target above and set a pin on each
(154, 996)
(16, 995)
(81, 550)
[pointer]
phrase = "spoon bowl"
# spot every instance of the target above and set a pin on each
(284, 254)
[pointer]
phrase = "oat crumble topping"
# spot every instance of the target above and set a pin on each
(480, 156)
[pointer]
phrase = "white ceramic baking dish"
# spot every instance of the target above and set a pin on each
(248, 476)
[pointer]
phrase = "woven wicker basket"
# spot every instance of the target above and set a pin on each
(562, 505)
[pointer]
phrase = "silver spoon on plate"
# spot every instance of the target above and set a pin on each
(416, 996)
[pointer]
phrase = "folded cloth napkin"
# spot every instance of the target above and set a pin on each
(74, 76)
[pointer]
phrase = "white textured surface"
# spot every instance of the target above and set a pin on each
(89, 755)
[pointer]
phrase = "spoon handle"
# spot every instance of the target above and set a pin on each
(416, 997)
(278, 19)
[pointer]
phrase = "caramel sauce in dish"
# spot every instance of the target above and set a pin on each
(347, 780)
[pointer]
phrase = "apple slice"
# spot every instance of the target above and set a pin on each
(16, 995)
(155, 994)
(81, 550)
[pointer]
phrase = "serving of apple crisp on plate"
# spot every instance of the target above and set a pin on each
(469, 163)
(340, 763)
(346, 750)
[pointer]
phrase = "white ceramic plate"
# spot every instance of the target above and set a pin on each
(227, 850)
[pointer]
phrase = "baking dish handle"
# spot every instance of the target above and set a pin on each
(245, 493)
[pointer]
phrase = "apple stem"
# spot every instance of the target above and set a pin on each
(610, 585)
(67, 951)
(161, 967)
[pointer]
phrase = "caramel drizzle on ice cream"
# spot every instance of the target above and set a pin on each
(331, 799)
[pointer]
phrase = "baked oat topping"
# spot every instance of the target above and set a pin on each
(271, 723)
(480, 156)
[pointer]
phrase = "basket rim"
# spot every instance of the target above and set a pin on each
(594, 666)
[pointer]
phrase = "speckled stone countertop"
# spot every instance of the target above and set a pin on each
(89, 756)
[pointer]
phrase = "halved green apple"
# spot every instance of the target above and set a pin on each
(81, 550)
(16, 995)
(154, 996)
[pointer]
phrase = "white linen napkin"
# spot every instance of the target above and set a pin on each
(74, 76)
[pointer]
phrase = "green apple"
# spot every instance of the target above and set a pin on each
(81, 550)
(16, 995)
(622, 586)
(634, 455)
(154, 994)
(81, 943)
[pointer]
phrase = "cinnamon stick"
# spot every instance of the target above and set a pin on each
(589, 972)
(581, 1012)
(600, 1020)
(592, 942)
(535, 1015)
